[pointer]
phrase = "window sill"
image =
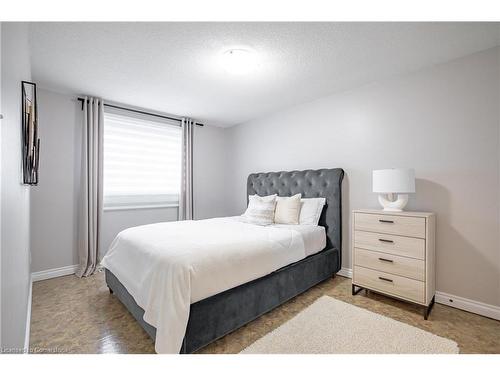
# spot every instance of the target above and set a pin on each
(140, 207)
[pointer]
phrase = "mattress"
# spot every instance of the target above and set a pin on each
(168, 266)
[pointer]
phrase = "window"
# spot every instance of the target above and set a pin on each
(142, 161)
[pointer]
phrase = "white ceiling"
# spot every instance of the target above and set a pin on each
(173, 67)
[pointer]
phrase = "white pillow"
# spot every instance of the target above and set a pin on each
(260, 210)
(287, 210)
(310, 210)
(265, 198)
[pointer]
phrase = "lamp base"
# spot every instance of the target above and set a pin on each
(390, 204)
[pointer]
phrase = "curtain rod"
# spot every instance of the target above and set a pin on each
(141, 112)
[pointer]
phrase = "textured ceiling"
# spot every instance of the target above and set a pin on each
(174, 68)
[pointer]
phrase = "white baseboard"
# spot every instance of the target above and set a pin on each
(54, 272)
(476, 307)
(28, 319)
(346, 272)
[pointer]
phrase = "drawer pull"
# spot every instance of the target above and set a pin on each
(383, 278)
(384, 240)
(386, 221)
(386, 260)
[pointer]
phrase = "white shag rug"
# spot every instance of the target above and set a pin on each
(330, 326)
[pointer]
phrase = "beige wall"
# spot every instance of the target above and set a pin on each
(15, 207)
(443, 121)
(53, 201)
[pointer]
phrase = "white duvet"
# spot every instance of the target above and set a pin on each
(168, 266)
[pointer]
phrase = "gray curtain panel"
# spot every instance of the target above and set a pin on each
(186, 209)
(91, 188)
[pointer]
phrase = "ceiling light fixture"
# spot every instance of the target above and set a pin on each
(239, 61)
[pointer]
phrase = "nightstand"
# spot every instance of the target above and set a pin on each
(394, 254)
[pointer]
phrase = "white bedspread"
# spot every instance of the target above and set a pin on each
(168, 266)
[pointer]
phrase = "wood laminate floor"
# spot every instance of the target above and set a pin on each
(72, 315)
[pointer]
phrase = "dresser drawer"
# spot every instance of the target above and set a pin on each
(385, 282)
(392, 224)
(396, 265)
(387, 243)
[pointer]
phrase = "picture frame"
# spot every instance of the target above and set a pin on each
(29, 133)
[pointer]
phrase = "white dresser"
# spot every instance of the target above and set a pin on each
(394, 253)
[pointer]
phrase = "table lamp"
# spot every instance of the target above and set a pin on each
(389, 182)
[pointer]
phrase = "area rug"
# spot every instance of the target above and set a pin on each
(330, 326)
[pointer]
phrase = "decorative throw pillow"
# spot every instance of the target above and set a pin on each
(287, 210)
(310, 210)
(260, 210)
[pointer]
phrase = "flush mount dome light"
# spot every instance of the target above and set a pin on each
(239, 61)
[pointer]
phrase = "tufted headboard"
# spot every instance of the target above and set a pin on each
(324, 183)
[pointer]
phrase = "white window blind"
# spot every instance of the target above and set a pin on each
(142, 162)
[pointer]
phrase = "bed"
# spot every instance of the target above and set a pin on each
(217, 315)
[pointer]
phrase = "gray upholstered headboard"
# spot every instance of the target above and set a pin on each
(311, 184)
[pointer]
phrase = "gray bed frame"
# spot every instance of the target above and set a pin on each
(216, 316)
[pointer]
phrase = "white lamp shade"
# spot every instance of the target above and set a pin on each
(397, 180)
